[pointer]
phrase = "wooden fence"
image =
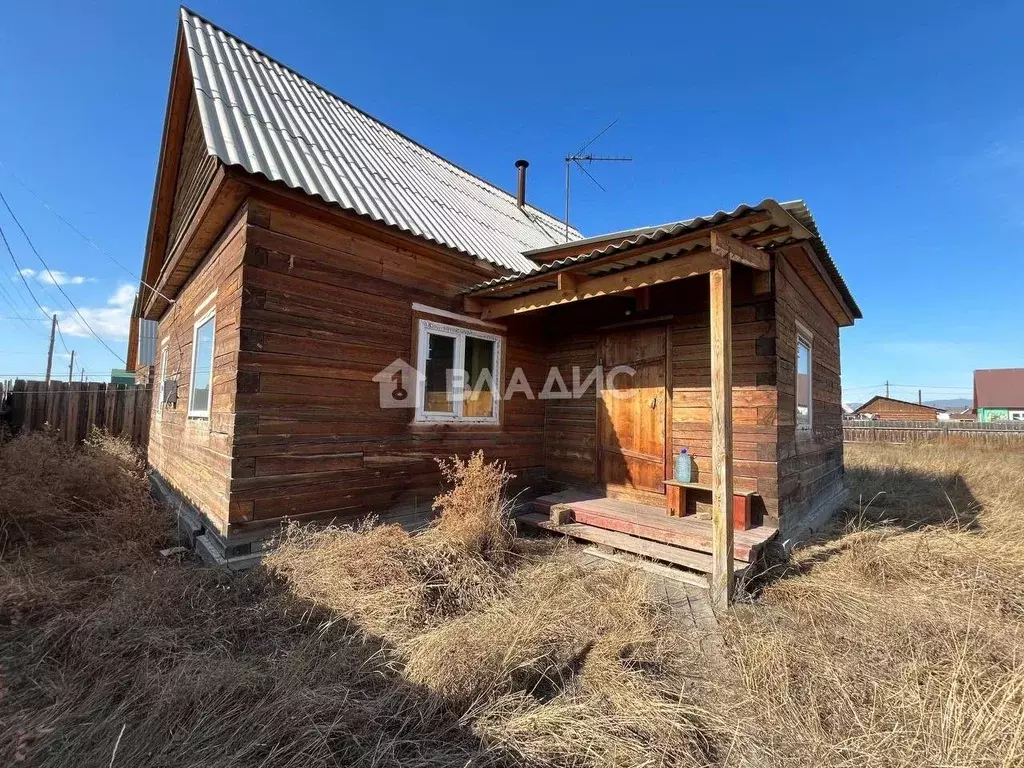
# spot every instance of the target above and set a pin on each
(1009, 433)
(74, 408)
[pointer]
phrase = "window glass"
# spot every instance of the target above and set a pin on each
(202, 369)
(478, 399)
(439, 396)
(803, 383)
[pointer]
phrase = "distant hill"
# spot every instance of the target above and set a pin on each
(956, 402)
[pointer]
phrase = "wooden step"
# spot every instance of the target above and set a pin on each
(699, 562)
(652, 523)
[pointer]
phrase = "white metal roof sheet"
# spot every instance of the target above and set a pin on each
(626, 240)
(262, 116)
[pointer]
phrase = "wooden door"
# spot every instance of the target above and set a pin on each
(631, 421)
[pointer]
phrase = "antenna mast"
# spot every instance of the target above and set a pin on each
(579, 158)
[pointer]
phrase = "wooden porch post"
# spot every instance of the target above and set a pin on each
(721, 435)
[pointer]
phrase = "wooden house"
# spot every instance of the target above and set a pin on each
(325, 287)
(891, 409)
(999, 394)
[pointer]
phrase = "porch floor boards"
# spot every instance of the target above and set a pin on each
(642, 529)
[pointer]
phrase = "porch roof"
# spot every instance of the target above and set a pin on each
(766, 224)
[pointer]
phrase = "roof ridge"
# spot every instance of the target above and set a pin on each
(435, 157)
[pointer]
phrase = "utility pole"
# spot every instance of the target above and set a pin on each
(71, 367)
(919, 397)
(82, 377)
(49, 355)
(887, 389)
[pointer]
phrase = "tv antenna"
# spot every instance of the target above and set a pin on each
(580, 157)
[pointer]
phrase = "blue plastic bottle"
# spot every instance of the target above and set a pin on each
(683, 467)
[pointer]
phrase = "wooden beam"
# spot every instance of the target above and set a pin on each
(730, 248)
(679, 268)
(721, 436)
(568, 282)
(577, 248)
(671, 245)
(475, 306)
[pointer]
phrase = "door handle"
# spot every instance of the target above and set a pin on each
(654, 402)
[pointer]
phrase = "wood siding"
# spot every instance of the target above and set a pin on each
(570, 425)
(810, 462)
(195, 172)
(326, 307)
(886, 409)
(194, 454)
(312, 304)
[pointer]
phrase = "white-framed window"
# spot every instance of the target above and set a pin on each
(804, 378)
(160, 383)
(459, 374)
(1016, 415)
(200, 388)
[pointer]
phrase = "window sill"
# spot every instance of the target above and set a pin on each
(464, 422)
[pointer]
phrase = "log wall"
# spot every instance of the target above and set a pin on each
(194, 454)
(326, 306)
(810, 462)
(570, 425)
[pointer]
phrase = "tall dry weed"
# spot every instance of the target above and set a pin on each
(895, 641)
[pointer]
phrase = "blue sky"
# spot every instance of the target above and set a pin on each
(901, 124)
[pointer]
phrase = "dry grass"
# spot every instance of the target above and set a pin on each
(899, 642)
(896, 641)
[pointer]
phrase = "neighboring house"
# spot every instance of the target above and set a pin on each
(999, 394)
(961, 414)
(121, 376)
(891, 409)
(302, 256)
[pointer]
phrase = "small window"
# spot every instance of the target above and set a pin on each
(199, 395)
(458, 374)
(1016, 415)
(804, 379)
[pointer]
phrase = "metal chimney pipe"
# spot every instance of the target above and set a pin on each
(522, 165)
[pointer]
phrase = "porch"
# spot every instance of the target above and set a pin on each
(622, 526)
(660, 305)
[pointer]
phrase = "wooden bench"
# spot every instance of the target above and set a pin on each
(742, 502)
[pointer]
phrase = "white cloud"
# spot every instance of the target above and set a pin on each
(109, 322)
(55, 277)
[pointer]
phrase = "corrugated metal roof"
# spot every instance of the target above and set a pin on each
(268, 119)
(999, 388)
(795, 211)
(800, 211)
(633, 238)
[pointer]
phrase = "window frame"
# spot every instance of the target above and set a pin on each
(806, 336)
(209, 317)
(425, 329)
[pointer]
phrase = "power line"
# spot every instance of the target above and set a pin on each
(81, 234)
(54, 281)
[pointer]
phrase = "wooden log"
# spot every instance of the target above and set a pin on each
(721, 435)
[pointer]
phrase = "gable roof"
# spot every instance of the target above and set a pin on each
(999, 388)
(262, 116)
(876, 398)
